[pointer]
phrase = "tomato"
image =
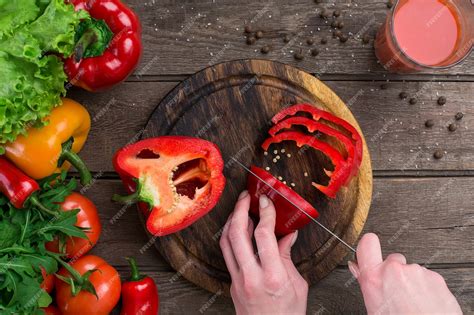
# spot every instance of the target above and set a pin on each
(51, 310)
(105, 280)
(88, 218)
(48, 281)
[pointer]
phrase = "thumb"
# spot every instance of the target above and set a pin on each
(285, 244)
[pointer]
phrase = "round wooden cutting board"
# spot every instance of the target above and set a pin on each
(231, 104)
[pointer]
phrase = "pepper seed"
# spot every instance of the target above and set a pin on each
(429, 123)
(275, 160)
(452, 127)
(438, 154)
(288, 155)
(403, 95)
(277, 157)
(292, 184)
(280, 178)
(259, 34)
(441, 100)
(413, 101)
(458, 116)
(265, 153)
(267, 168)
(275, 151)
(282, 150)
(305, 174)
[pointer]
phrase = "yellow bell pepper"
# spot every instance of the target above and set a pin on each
(52, 148)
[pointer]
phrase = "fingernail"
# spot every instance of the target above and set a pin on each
(353, 269)
(263, 201)
(243, 194)
(295, 237)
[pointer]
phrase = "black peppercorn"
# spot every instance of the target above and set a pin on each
(429, 123)
(251, 40)
(259, 34)
(413, 101)
(438, 154)
(265, 49)
(459, 116)
(452, 127)
(441, 100)
(403, 95)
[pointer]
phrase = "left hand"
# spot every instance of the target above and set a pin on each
(267, 282)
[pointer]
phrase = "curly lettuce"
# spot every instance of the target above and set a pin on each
(33, 33)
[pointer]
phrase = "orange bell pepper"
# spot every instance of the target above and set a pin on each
(52, 148)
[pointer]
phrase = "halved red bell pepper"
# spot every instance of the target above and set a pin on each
(342, 169)
(175, 179)
(317, 114)
(288, 217)
(312, 126)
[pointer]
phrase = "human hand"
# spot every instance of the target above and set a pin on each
(267, 282)
(391, 286)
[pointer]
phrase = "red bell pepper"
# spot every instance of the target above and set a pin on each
(139, 294)
(312, 126)
(108, 46)
(175, 179)
(317, 114)
(19, 188)
(288, 217)
(341, 168)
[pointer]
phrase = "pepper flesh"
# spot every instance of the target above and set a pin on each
(139, 294)
(19, 188)
(317, 114)
(341, 168)
(312, 126)
(175, 179)
(120, 57)
(41, 153)
(288, 217)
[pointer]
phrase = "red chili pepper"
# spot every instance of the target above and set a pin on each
(312, 126)
(19, 188)
(108, 47)
(175, 179)
(288, 217)
(341, 171)
(139, 294)
(317, 114)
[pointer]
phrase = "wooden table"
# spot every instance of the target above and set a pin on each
(422, 207)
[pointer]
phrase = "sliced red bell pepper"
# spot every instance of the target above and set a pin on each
(312, 126)
(317, 114)
(108, 45)
(342, 169)
(288, 217)
(175, 179)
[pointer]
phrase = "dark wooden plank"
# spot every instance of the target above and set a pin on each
(394, 130)
(430, 220)
(336, 294)
(181, 37)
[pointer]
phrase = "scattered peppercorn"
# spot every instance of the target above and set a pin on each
(248, 29)
(413, 101)
(337, 33)
(403, 95)
(452, 127)
(324, 40)
(441, 100)
(429, 123)
(366, 39)
(259, 34)
(336, 13)
(314, 52)
(310, 41)
(323, 13)
(286, 39)
(265, 49)
(251, 40)
(298, 55)
(384, 86)
(458, 116)
(343, 38)
(438, 154)
(340, 24)
(334, 24)
(317, 1)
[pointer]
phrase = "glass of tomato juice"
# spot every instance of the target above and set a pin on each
(422, 35)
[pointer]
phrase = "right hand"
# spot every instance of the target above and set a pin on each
(391, 286)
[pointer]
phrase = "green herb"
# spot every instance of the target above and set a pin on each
(23, 235)
(32, 34)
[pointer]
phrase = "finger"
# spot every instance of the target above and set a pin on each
(353, 268)
(284, 245)
(250, 228)
(397, 257)
(369, 253)
(238, 236)
(265, 238)
(226, 249)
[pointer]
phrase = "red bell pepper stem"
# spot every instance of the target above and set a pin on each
(131, 198)
(85, 41)
(18, 187)
(139, 293)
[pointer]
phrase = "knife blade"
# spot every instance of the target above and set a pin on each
(294, 205)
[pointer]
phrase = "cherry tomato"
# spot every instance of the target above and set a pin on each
(48, 281)
(88, 218)
(51, 310)
(105, 280)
